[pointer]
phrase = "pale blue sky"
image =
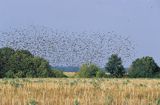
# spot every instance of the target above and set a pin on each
(139, 19)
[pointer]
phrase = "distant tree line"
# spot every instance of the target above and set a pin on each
(22, 64)
(144, 67)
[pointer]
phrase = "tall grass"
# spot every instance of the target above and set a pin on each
(79, 92)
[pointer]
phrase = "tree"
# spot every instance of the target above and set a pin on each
(18, 65)
(28, 53)
(88, 70)
(114, 66)
(143, 67)
(41, 66)
(5, 54)
(22, 64)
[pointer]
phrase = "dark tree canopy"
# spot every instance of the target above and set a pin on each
(5, 54)
(22, 64)
(144, 67)
(114, 66)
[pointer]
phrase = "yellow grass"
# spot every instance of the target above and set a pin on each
(80, 92)
(70, 74)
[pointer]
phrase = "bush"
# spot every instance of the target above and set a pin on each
(57, 74)
(143, 67)
(90, 71)
(101, 74)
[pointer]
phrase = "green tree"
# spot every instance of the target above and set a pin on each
(114, 66)
(143, 67)
(88, 70)
(22, 64)
(18, 64)
(26, 52)
(5, 54)
(42, 67)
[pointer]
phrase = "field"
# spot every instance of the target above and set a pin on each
(70, 74)
(80, 92)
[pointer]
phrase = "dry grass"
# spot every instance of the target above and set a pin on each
(70, 74)
(80, 92)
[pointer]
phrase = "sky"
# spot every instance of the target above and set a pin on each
(138, 19)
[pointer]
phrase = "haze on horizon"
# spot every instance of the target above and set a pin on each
(138, 19)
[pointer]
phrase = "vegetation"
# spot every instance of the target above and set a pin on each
(57, 74)
(67, 68)
(71, 74)
(114, 66)
(80, 91)
(89, 71)
(144, 67)
(5, 54)
(22, 64)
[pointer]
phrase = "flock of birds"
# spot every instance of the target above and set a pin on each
(68, 48)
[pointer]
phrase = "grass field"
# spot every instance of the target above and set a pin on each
(70, 74)
(79, 92)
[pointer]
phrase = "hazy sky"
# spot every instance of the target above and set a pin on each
(139, 19)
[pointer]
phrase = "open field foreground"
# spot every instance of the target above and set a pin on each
(80, 92)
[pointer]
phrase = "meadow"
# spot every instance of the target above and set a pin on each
(70, 91)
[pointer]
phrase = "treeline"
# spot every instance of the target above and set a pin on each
(144, 67)
(22, 64)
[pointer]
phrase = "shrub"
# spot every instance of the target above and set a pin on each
(57, 74)
(32, 102)
(101, 74)
(89, 71)
(76, 102)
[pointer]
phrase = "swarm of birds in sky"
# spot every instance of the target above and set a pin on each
(63, 48)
